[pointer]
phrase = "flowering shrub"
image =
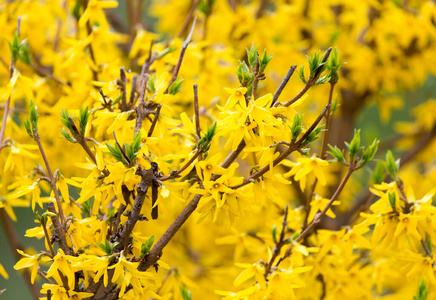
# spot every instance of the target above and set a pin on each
(203, 163)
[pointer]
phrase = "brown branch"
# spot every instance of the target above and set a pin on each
(146, 178)
(47, 236)
(182, 54)
(58, 229)
(156, 251)
(14, 245)
(36, 137)
(283, 84)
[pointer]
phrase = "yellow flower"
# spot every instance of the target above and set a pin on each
(318, 204)
(237, 96)
(4, 273)
(60, 293)
(30, 261)
(62, 263)
(94, 9)
(305, 166)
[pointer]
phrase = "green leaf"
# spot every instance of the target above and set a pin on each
(333, 66)
(28, 129)
(354, 146)
(166, 51)
(244, 74)
(264, 61)
(115, 152)
(313, 135)
(186, 294)
(205, 6)
(392, 201)
(301, 74)
(24, 54)
(379, 175)
(337, 154)
(67, 136)
(369, 152)
(204, 143)
(252, 55)
(391, 165)
(274, 234)
(176, 86)
(422, 291)
(83, 120)
(117, 100)
(334, 105)
(296, 127)
(146, 247)
(64, 120)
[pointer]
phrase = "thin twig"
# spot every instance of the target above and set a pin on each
(36, 137)
(182, 54)
(176, 173)
(82, 142)
(197, 116)
(310, 82)
(154, 122)
(47, 237)
(279, 245)
(188, 18)
(283, 84)
(123, 152)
